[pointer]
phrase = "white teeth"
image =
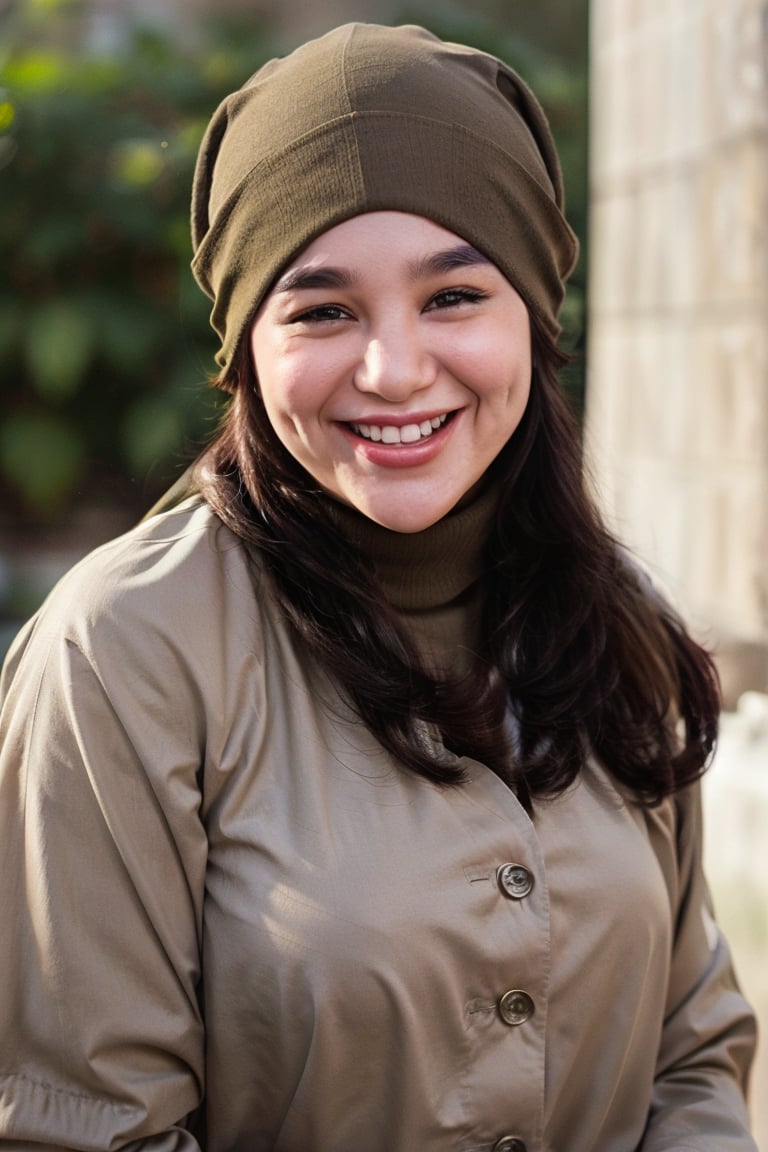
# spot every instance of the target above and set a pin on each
(408, 434)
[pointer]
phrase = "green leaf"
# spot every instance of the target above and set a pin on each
(36, 71)
(41, 457)
(7, 113)
(136, 163)
(57, 343)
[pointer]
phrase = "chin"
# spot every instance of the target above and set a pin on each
(406, 521)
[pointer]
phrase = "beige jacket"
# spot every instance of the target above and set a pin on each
(217, 887)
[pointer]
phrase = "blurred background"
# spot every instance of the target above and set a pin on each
(660, 111)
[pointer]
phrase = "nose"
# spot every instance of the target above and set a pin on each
(395, 363)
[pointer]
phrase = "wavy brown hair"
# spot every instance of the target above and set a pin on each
(577, 645)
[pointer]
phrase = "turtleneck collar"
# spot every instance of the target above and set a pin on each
(421, 571)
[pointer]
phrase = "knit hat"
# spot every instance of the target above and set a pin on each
(366, 119)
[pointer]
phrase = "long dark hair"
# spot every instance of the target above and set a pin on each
(578, 647)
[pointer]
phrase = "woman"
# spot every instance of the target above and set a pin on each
(352, 802)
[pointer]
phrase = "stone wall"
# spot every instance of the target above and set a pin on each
(677, 400)
(677, 417)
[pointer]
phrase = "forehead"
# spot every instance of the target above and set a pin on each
(388, 233)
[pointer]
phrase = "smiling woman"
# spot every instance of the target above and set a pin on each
(352, 802)
(393, 365)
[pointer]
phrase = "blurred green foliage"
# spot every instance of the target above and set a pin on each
(104, 337)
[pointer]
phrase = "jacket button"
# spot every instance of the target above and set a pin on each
(509, 1144)
(514, 880)
(515, 1007)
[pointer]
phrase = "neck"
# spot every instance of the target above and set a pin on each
(432, 578)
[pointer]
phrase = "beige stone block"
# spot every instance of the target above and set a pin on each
(733, 224)
(601, 122)
(660, 397)
(744, 608)
(645, 251)
(622, 127)
(704, 573)
(603, 28)
(636, 411)
(677, 409)
(613, 255)
(666, 271)
(674, 529)
(605, 429)
(606, 356)
(745, 348)
(647, 92)
(604, 126)
(636, 13)
(678, 402)
(686, 83)
(706, 421)
(718, 561)
(680, 253)
(652, 228)
(730, 375)
(652, 514)
(737, 67)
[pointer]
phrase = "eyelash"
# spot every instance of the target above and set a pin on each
(447, 298)
(454, 296)
(320, 314)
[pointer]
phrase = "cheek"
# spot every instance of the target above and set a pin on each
(503, 380)
(280, 382)
(295, 383)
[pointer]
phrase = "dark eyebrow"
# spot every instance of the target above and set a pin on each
(462, 256)
(315, 278)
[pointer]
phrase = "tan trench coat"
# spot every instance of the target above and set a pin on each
(217, 886)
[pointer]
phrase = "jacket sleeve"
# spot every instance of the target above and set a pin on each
(102, 855)
(709, 1032)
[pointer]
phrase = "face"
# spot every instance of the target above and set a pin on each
(394, 362)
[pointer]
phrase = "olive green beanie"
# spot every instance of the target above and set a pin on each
(367, 119)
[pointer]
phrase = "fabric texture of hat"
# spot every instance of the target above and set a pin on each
(370, 118)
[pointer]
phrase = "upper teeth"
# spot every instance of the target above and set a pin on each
(408, 434)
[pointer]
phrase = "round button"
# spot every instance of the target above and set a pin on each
(515, 1007)
(509, 1144)
(514, 880)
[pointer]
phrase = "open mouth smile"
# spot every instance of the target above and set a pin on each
(407, 434)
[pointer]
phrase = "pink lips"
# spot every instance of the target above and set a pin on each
(400, 455)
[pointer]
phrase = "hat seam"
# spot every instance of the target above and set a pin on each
(353, 117)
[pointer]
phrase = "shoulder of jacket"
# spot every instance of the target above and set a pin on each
(179, 578)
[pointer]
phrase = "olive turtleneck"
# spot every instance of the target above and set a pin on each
(432, 577)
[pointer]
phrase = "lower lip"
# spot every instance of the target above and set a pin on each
(401, 455)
